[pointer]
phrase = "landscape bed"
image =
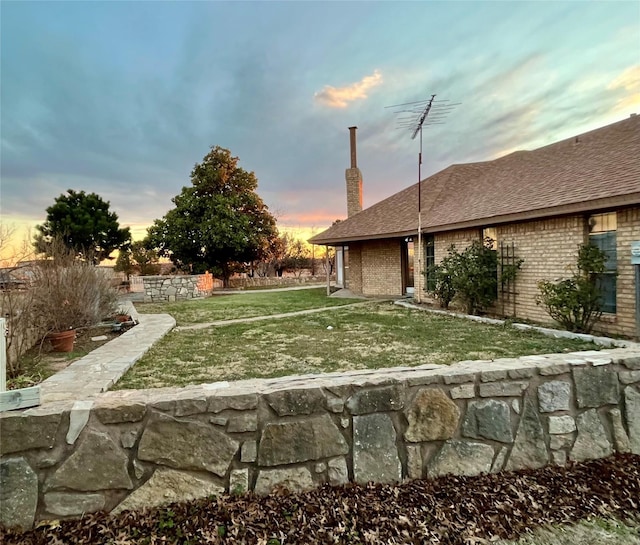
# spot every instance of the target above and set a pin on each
(362, 336)
(376, 424)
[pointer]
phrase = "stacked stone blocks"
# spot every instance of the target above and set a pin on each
(133, 449)
(176, 288)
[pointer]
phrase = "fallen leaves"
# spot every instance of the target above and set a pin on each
(451, 510)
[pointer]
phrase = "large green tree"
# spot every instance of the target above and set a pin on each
(219, 223)
(84, 224)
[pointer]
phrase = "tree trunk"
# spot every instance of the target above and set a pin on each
(225, 276)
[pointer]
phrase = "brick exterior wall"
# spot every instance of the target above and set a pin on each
(549, 249)
(628, 230)
(375, 268)
(461, 239)
(382, 268)
(354, 272)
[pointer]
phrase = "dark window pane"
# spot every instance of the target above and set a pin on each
(430, 260)
(607, 285)
(607, 243)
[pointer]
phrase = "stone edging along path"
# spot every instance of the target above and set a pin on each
(601, 341)
(123, 450)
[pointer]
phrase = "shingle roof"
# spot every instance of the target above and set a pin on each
(592, 171)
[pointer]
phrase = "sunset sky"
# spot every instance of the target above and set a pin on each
(123, 98)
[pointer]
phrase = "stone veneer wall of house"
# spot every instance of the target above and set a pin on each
(176, 288)
(132, 449)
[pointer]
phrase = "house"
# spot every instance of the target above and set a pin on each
(539, 206)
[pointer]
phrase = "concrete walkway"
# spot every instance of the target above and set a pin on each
(102, 368)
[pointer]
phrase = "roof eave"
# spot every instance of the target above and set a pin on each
(630, 199)
(340, 241)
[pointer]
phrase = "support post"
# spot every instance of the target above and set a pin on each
(328, 272)
(3, 354)
(417, 252)
(13, 399)
(637, 268)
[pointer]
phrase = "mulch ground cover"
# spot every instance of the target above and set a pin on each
(449, 511)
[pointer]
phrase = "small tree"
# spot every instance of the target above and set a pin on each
(575, 302)
(124, 263)
(271, 256)
(16, 302)
(145, 259)
(84, 224)
(297, 256)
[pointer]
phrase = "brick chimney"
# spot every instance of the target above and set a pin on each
(354, 179)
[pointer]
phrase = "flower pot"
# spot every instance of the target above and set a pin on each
(123, 318)
(62, 341)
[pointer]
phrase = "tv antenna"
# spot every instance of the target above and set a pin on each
(415, 116)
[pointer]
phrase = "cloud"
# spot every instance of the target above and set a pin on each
(626, 87)
(629, 80)
(339, 97)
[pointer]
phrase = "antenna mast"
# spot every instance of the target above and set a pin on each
(422, 108)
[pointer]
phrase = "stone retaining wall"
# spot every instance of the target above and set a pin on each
(129, 449)
(176, 288)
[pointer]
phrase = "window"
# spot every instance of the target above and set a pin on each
(492, 233)
(602, 234)
(429, 260)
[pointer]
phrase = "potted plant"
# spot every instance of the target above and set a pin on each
(69, 294)
(122, 315)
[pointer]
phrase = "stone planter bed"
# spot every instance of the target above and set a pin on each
(86, 450)
(129, 449)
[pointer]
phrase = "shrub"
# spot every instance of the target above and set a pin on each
(471, 276)
(60, 293)
(575, 302)
(441, 280)
(69, 293)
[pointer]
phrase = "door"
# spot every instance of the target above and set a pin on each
(407, 266)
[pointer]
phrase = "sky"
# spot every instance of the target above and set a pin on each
(124, 98)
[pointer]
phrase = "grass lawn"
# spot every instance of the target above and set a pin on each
(595, 531)
(243, 305)
(377, 335)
